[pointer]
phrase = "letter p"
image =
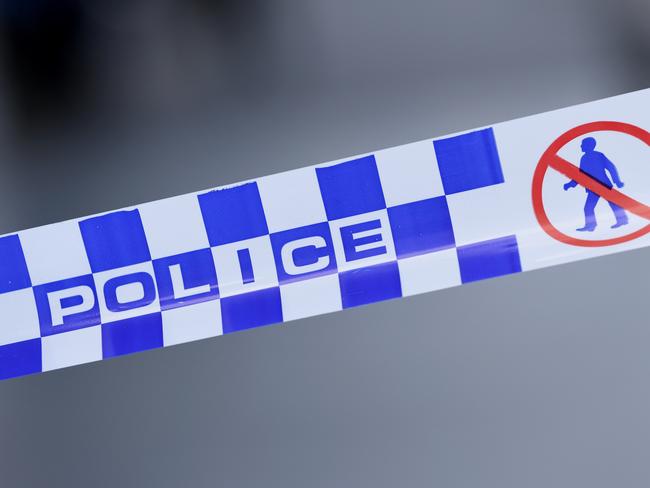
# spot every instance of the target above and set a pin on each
(71, 301)
(67, 305)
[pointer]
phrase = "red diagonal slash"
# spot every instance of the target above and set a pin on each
(573, 172)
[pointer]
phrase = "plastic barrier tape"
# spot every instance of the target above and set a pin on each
(520, 195)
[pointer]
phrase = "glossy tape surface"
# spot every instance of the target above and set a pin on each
(515, 196)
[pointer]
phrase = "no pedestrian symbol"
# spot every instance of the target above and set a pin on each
(595, 180)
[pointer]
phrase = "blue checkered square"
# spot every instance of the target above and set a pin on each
(132, 335)
(253, 309)
(186, 278)
(351, 188)
(468, 161)
(20, 358)
(421, 227)
(114, 240)
(370, 284)
(233, 214)
(13, 269)
(489, 259)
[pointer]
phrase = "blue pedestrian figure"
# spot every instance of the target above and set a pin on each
(595, 164)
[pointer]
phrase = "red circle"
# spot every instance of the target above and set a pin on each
(542, 166)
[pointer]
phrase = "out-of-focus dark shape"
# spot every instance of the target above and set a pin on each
(45, 60)
(116, 60)
(119, 58)
(635, 14)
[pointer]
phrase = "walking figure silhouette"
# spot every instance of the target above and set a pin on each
(595, 164)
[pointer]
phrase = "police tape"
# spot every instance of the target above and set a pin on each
(392, 223)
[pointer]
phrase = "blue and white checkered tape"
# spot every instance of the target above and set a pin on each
(393, 223)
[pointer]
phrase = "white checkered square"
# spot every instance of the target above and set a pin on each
(482, 214)
(54, 252)
(310, 297)
(409, 173)
(19, 317)
(125, 294)
(229, 271)
(383, 230)
(291, 199)
(429, 272)
(71, 348)
(174, 226)
(191, 323)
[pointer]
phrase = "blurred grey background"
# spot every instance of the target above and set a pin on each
(534, 380)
